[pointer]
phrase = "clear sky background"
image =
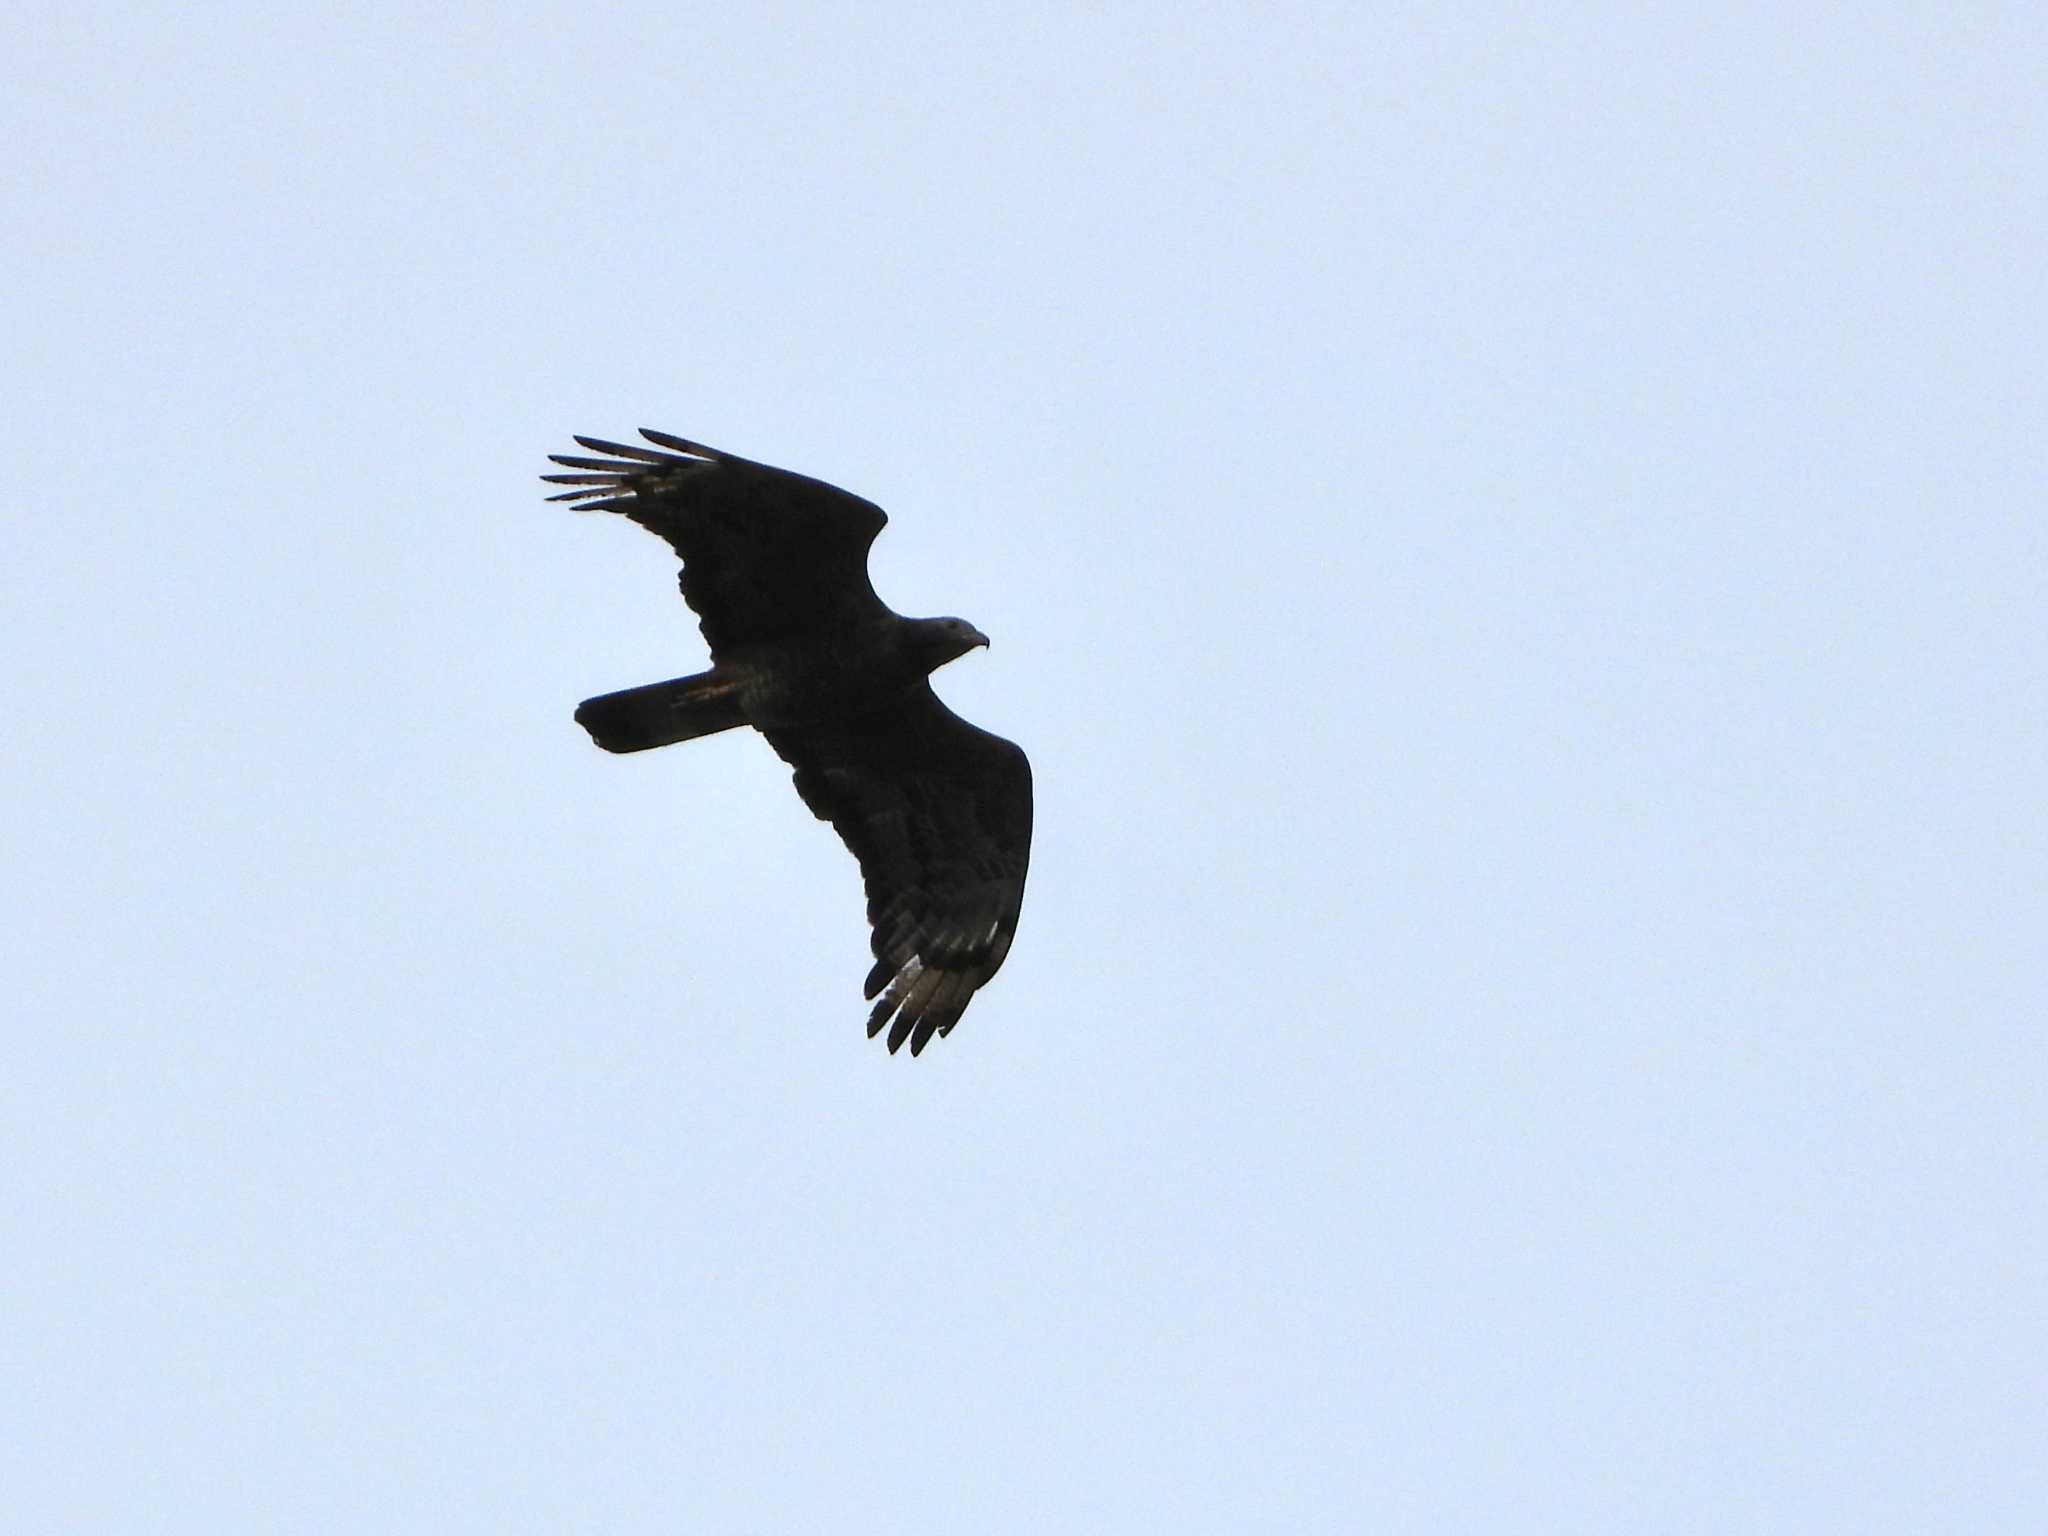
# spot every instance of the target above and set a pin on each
(1513, 538)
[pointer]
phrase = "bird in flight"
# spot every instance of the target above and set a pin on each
(937, 811)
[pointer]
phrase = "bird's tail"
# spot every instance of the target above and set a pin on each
(634, 719)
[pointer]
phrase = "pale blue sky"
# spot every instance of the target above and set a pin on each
(1513, 538)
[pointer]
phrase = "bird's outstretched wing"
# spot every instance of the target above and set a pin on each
(939, 814)
(767, 554)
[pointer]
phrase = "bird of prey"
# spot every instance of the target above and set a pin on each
(937, 811)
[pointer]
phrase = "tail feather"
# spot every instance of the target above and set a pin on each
(656, 714)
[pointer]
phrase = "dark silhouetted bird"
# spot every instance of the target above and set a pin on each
(937, 811)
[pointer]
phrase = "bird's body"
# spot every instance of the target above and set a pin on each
(937, 811)
(790, 683)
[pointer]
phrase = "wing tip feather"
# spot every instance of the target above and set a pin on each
(680, 444)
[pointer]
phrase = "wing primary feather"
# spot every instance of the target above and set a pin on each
(877, 1018)
(927, 1027)
(572, 461)
(679, 444)
(931, 983)
(942, 1009)
(903, 988)
(622, 450)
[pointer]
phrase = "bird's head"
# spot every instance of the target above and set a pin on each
(942, 640)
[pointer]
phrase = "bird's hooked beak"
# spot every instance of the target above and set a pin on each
(980, 639)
